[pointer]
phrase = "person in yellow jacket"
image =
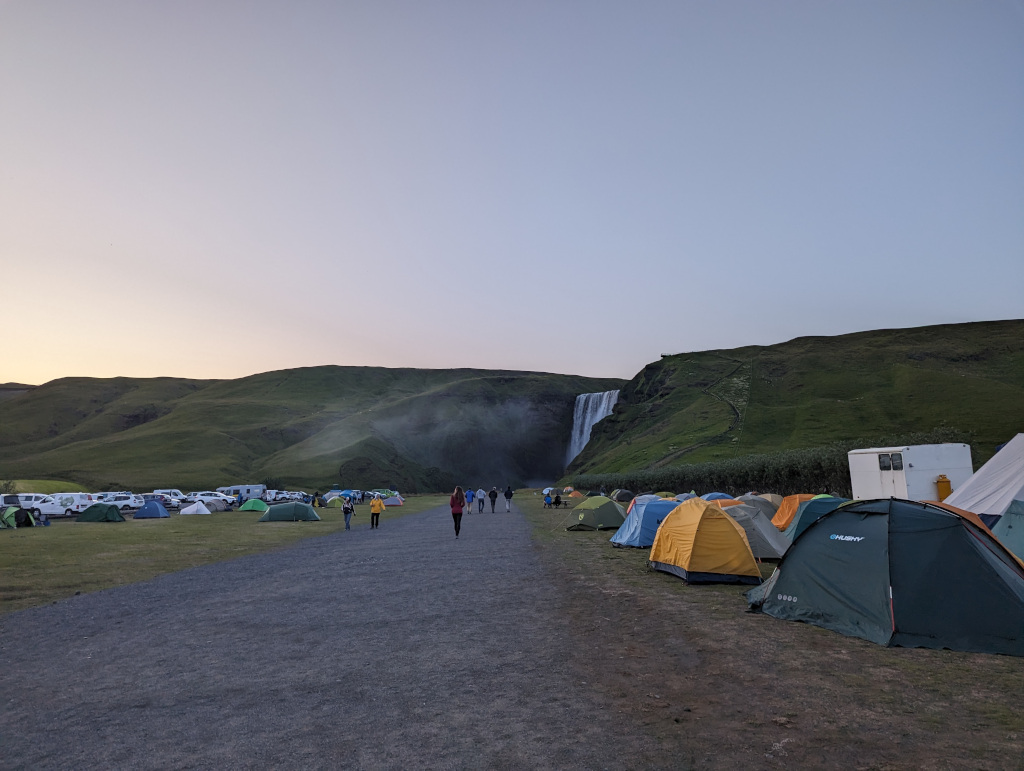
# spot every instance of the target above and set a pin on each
(376, 507)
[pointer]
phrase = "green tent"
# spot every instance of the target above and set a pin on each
(335, 503)
(253, 504)
(1009, 528)
(597, 513)
(901, 573)
(9, 517)
(292, 511)
(101, 512)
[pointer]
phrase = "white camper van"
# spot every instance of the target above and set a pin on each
(910, 472)
(246, 491)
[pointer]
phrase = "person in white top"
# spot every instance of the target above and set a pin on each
(481, 496)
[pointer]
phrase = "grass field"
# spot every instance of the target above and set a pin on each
(47, 486)
(723, 688)
(40, 565)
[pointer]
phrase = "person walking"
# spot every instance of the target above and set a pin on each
(481, 496)
(493, 495)
(348, 509)
(376, 507)
(458, 503)
(508, 498)
(469, 500)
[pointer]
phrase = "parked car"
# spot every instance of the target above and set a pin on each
(164, 500)
(124, 500)
(208, 495)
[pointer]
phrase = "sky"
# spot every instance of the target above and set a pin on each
(212, 189)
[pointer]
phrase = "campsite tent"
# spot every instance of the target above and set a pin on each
(622, 496)
(195, 508)
(773, 497)
(394, 500)
(293, 511)
(597, 513)
(217, 505)
(575, 494)
(101, 512)
(763, 505)
(717, 497)
(700, 543)
(809, 512)
(15, 517)
(787, 509)
(996, 485)
(665, 494)
(686, 496)
(253, 504)
(647, 497)
(766, 542)
(642, 523)
(335, 503)
(901, 573)
(1009, 529)
(151, 510)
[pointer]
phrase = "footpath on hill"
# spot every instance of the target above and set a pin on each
(400, 647)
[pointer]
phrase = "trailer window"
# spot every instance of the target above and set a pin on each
(897, 461)
(884, 462)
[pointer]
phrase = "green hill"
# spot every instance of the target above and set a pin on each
(362, 426)
(813, 391)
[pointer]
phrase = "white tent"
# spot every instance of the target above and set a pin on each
(995, 485)
(195, 508)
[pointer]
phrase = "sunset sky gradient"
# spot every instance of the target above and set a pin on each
(213, 189)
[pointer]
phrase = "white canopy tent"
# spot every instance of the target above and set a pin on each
(995, 485)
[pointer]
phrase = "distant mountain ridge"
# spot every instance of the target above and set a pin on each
(408, 428)
(811, 391)
(428, 429)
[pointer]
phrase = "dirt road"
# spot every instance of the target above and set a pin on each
(400, 647)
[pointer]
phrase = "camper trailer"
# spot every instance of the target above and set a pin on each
(246, 491)
(922, 472)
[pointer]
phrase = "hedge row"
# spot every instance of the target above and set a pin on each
(810, 470)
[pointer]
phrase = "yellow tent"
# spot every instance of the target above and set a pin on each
(773, 497)
(702, 544)
(787, 509)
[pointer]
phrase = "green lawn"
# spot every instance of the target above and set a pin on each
(47, 486)
(43, 564)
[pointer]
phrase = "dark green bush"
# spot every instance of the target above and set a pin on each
(810, 470)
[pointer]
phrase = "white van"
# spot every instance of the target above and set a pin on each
(172, 493)
(40, 504)
(73, 503)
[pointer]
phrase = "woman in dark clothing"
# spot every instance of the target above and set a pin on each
(493, 495)
(458, 503)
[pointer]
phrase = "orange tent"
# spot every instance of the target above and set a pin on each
(700, 543)
(787, 509)
(576, 494)
(725, 503)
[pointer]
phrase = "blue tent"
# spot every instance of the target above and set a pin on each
(642, 523)
(716, 497)
(810, 512)
(152, 510)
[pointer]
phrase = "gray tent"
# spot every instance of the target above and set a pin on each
(901, 573)
(765, 506)
(766, 542)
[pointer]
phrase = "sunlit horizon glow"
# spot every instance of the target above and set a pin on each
(218, 189)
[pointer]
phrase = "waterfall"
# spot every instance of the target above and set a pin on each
(589, 409)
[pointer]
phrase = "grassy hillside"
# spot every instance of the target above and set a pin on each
(364, 426)
(812, 391)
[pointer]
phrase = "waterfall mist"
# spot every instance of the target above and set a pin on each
(589, 409)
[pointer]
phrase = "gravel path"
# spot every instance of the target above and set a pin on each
(400, 647)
